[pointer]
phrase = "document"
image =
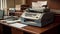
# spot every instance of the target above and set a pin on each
(41, 3)
(18, 25)
(34, 5)
(38, 4)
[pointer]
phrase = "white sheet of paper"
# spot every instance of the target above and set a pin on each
(34, 5)
(18, 25)
(12, 21)
(41, 3)
(38, 4)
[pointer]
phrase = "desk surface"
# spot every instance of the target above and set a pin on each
(38, 30)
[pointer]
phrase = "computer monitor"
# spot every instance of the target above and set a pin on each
(1, 14)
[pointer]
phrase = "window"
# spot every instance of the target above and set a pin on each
(3, 4)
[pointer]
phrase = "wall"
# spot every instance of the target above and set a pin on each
(10, 3)
(0, 4)
(54, 5)
(17, 2)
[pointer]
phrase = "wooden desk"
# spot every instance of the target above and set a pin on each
(49, 29)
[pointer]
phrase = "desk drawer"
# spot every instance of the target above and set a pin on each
(16, 31)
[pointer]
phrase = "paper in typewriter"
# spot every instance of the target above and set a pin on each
(38, 4)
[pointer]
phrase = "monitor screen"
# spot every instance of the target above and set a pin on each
(1, 14)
